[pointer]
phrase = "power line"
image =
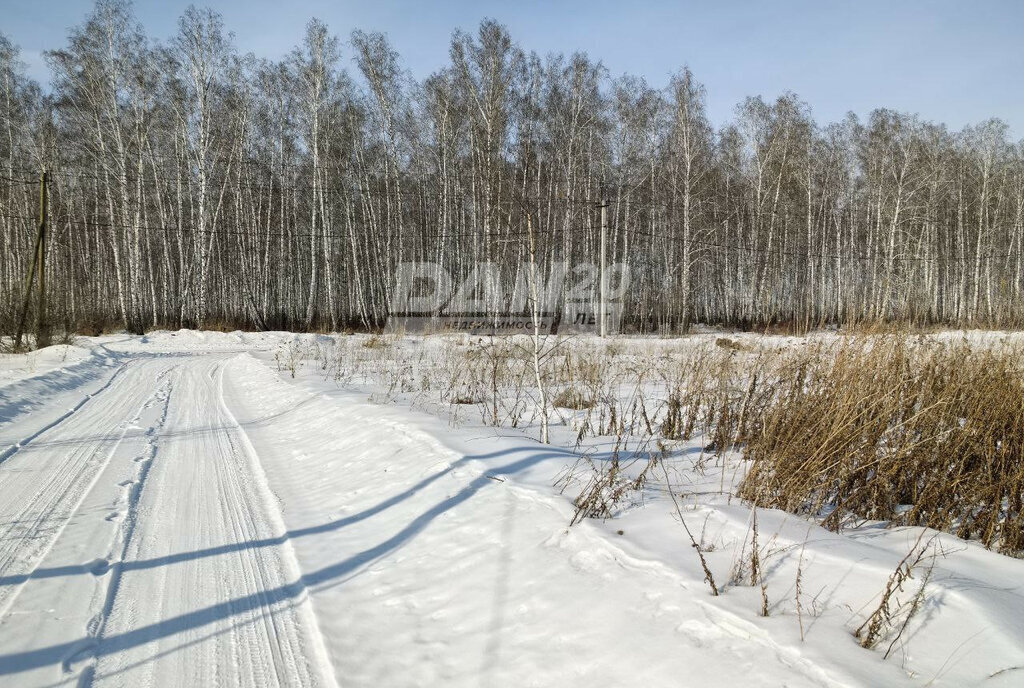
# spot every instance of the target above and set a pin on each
(152, 180)
(18, 181)
(496, 236)
(256, 234)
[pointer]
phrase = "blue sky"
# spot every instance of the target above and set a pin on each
(950, 61)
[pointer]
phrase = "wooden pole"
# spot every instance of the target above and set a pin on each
(42, 323)
(603, 277)
(23, 318)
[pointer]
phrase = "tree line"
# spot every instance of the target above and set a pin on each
(191, 185)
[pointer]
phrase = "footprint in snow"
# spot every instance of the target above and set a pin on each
(82, 651)
(99, 567)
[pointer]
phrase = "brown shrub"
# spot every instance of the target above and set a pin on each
(924, 433)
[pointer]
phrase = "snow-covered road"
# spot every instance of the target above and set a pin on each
(140, 543)
(181, 514)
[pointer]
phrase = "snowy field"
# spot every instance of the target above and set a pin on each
(206, 509)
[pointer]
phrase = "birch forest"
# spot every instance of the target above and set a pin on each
(190, 185)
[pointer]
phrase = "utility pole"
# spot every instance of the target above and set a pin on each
(42, 325)
(603, 277)
(38, 263)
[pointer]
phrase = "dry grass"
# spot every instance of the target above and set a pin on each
(892, 615)
(918, 432)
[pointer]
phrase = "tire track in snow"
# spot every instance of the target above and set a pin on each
(34, 511)
(20, 444)
(236, 617)
(110, 565)
(290, 561)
